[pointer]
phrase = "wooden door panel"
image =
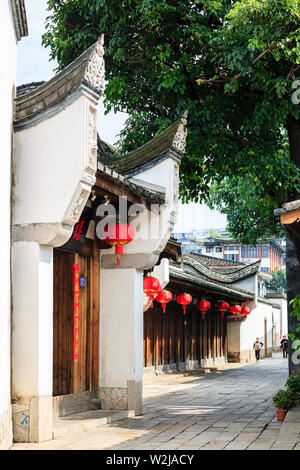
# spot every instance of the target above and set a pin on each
(69, 375)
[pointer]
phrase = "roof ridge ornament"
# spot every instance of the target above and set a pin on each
(179, 141)
(95, 71)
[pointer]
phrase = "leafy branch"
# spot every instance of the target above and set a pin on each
(295, 313)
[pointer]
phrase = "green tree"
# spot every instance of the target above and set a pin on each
(278, 281)
(244, 129)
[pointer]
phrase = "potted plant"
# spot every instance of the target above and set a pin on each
(293, 384)
(283, 400)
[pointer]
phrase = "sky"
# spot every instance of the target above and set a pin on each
(34, 65)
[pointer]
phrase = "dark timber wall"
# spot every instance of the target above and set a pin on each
(174, 338)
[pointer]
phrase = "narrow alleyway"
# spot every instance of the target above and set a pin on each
(226, 409)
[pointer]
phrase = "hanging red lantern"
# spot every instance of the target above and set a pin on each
(245, 311)
(203, 306)
(235, 309)
(151, 287)
(118, 236)
(184, 300)
(163, 298)
(222, 307)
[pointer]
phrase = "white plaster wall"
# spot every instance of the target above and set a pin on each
(284, 317)
(32, 320)
(277, 320)
(250, 284)
(162, 174)
(121, 327)
(253, 327)
(8, 52)
(153, 228)
(49, 160)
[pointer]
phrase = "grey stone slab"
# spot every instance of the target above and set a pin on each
(261, 444)
(283, 445)
(214, 445)
(289, 431)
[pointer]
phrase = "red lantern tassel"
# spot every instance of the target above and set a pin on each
(118, 251)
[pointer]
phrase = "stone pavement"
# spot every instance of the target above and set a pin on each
(230, 408)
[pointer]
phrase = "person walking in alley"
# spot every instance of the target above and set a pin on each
(257, 347)
(284, 345)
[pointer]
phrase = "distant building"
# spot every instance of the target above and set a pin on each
(219, 243)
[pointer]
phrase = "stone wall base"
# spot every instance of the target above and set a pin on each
(123, 398)
(64, 405)
(6, 435)
(183, 366)
(32, 421)
(247, 356)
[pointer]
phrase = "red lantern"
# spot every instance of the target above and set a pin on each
(118, 236)
(223, 307)
(245, 311)
(164, 297)
(203, 305)
(235, 309)
(184, 300)
(151, 287)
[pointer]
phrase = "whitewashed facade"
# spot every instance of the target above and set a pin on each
(13, 27)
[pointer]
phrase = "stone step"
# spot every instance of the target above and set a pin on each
(84, 421)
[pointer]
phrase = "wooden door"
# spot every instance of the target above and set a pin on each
(70, 374)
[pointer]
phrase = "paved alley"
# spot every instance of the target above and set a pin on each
(230, 408)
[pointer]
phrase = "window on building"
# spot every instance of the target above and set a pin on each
(264, 270)
(265, 251)
(209, 249)
(250, 252)
(219, 249)
(232, 257)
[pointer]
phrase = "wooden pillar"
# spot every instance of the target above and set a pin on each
(209, 333)
(225, 339)
(214, 335)
(204, 339)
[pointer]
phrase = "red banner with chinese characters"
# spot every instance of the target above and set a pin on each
(75, 280)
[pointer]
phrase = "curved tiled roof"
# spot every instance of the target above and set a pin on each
(170, 142)
(177, 272)
(241, 271)
(214, 261)
(20, 19)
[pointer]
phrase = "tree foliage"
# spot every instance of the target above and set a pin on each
(278, 281)
(244, 129)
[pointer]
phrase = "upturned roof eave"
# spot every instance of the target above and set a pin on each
(168, 144)
(43, 101)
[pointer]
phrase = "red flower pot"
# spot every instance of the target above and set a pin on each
(281, 414)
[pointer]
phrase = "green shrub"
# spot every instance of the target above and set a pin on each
(284, 399)
(293, 383)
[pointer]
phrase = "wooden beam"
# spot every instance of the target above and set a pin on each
(290, 217)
